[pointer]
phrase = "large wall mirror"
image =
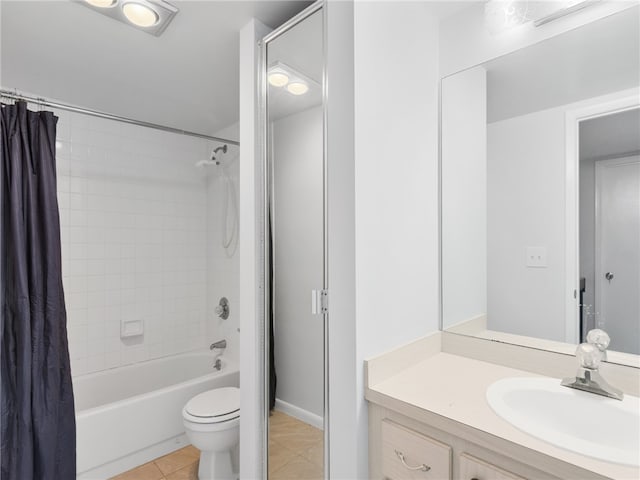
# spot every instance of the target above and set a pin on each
(293, 73)
(540, 175)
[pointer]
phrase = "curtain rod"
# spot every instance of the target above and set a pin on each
(95, 113)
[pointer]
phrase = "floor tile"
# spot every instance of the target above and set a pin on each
(190, 449)
(186, 473)
(295, 449)
(279, 456)
(175, 461)
(298, 440)
(315, 454)
(299, 469)
(148, 471)
(278, 418)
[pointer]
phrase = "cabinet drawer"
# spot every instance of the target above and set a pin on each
(409, 455)
(472, 468)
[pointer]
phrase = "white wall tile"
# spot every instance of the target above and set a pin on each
(136, 217)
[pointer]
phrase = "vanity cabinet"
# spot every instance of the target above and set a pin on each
(400, 447)
(473, 468)
(407, 454)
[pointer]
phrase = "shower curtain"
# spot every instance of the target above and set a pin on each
(37, 433)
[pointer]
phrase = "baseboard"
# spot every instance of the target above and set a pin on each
(299, 413)
(111, 469)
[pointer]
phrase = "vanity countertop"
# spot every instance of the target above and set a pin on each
(454, 387)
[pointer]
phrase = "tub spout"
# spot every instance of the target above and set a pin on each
(222, 344)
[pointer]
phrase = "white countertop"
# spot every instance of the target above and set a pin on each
(455, 387)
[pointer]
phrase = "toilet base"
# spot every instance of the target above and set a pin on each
(216, 466)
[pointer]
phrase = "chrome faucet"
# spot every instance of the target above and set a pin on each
(219, 345)
(589, 356)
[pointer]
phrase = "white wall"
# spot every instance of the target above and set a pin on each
(298, 260)
(134, 237)
(526, 196)
(526, 185)
(396, 182)
(464, 196)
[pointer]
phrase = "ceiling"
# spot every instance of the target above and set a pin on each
(187, 78)
(596, 59)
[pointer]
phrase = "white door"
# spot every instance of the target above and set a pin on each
(618, 251)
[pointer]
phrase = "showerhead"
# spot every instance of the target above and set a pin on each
(213, 161)
(223, 148)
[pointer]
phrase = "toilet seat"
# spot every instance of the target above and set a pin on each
(214, 406)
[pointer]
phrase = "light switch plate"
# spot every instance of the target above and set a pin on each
(536, 257)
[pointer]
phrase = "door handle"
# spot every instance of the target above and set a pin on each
(609, 276)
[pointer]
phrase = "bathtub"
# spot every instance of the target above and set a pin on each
(130, 415)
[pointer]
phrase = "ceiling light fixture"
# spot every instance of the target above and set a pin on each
(101, 3)
(297, 88)
(566, 8)
(140, 14)
(281, 75)
(278, 78)
(151, 16)
(503, 15)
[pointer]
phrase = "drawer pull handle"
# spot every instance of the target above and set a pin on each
(422, 468)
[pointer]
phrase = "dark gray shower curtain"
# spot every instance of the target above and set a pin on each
(37, 434)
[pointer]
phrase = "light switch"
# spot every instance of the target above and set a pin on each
(536, 257)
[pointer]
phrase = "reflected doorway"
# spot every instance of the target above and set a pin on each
(610, 227)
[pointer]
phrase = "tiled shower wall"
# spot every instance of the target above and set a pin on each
(135, 231)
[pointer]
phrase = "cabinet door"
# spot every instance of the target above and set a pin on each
(472, 468)
(409, 455)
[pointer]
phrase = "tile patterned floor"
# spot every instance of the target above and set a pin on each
(295, 452)
(179, 465)
(295, 449)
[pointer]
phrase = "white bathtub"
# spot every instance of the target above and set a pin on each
(130, 415)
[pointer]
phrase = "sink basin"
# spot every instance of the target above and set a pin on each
(582, 422)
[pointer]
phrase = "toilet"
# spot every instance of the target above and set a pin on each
(212, 423)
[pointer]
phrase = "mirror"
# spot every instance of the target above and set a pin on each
(295, 164)
(540, 178)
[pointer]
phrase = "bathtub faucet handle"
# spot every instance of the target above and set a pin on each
(219, 345)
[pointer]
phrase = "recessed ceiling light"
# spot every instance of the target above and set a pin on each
(150, 16)
(297, 88)
(278, 79)
(101, 3)
(140, 15)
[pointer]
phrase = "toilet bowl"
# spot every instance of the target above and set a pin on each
(212, 423)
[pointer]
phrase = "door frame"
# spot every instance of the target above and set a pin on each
(601, 106)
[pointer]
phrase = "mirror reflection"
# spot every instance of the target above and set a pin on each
(541, 191)
(296, 164)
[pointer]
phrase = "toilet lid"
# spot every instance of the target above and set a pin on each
(219, 402)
